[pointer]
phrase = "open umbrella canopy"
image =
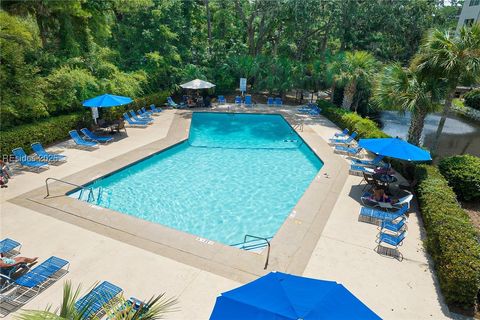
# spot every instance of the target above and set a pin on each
(279, 295)
(197, 84)
(395, 148)
(106, 101)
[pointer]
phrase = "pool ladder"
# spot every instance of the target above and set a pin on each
(255, 243)
(82, 188)
(298, 126)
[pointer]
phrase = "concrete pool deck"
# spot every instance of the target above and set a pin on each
(335, 246)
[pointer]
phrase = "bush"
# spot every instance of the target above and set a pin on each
(46, 132)
(67, 88)
(463, 175)
(157, 99)
(366, 128)
(472, 99)
(452, 240)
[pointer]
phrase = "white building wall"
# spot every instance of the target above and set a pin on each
(470, 10)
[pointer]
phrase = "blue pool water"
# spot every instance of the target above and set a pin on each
(237, 174)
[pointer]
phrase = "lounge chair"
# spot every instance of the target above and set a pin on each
(134, 123)
(344, 133)
(95, 301)
(92, 136)
(144, 111)
(248, 100)
(307, 108)
(9, 247)
(376, 216)
(80, 141)
(351, 151)
(359, 170)
(403, 201)
(238, 100)
(46, 156)
(155, 109)
(151, 113)
(278, 101)
(314, 112)
(348, 140)
(388, 244)
(393, 240)
(270, 101)
(376, 162)
(394, 227)
(175, 105)
(144, 114)
(134, 307)
(221, 100)
(139, 118)
(22, 158)
(31, 283)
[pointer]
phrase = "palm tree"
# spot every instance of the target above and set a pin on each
(332, 69)
(358, 66)
(454, 59)
(157, 307)
(401, 89)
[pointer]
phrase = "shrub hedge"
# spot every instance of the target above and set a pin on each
(463, 175)
(472, 99)
(366, 128)
(452, 240)
(47, 131)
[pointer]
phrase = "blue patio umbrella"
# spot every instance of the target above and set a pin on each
(395, 148)
(282, 296)
(106, 101)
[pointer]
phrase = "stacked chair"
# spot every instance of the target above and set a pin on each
(390, 218)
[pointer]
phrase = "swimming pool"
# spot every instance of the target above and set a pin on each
(237, 174)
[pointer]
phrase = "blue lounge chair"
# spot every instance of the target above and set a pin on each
(344, 133)
(376, 216)
(344, 141)
(221, 100)
(140, 118)
(304, 109)
(46, 156)
(248, 101)
(7, 246)
(80, 142)
(238, 100)
(351, 151)
(155, 109)
(145, 112)
(175, 105)
(22, 158)
(394, 227)
(393, 240)
(314, 112)
(143, 115)
(270, 101)
(376, 162)
(135, 123)
(33, 280)
(278, 101)
(92, 136)
(94, 301)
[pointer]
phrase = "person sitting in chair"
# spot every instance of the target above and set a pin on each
(12, 262)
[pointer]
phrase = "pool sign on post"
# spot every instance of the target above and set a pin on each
(95, 114)
(243, 85)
